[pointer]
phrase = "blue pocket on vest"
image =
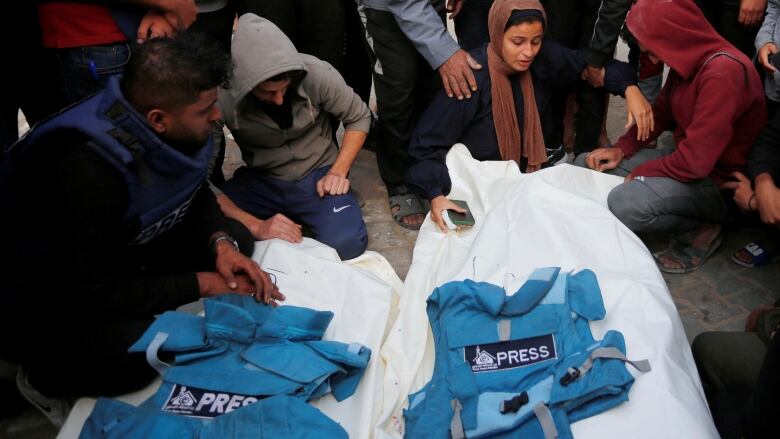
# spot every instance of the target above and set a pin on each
(290, 360)
(353, 359)
(604, 386)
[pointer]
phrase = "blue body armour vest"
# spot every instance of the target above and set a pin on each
(524, 365)
(161, 181)
(239, 354)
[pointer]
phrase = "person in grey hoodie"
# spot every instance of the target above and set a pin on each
(277, 108)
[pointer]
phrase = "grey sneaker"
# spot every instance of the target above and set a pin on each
(55, 409)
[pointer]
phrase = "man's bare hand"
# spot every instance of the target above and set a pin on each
(751, 12)
(154, 25)
(440, 204)
(454, 7)
(456, 74)
(743, 191)
(768, 198)
(232, 264)
(278, 226)
(181, 13)
(763, 56)
(594, 76)
(640, 111)
(332, 184)
(604, 159)
(213, 284)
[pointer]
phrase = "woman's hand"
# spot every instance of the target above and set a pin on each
(639, 110)
(440, 204)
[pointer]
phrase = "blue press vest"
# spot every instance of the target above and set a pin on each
(240, 353)
(500, 358)
(278, 417)
(161, 180)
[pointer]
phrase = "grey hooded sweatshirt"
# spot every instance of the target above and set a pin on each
(261, 51)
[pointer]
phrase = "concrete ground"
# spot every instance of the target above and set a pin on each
(718, 296)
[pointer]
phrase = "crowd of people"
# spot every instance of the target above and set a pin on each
(117, 209)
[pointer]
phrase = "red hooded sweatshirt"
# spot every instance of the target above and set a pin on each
(713, 97)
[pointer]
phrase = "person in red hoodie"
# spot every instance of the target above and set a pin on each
(713, 100)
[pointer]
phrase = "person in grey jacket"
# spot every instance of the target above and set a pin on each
(411, 44)
(277, 108)
(766, 44)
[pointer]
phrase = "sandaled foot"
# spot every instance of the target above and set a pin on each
(755, 254)
(409, 210)
(681, 258)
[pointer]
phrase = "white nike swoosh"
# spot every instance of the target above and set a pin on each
(340, 208)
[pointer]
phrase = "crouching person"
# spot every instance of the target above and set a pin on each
(713, 100)
(278, 108)
(109, 223)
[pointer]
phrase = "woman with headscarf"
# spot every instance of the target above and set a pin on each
(510, 111)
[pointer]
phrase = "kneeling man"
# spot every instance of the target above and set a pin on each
(278, 108)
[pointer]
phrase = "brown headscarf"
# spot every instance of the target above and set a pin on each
(504, 115)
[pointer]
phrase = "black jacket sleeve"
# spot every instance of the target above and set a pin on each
(611, 16)
(562, 67)
(765, 154)
(440, 127)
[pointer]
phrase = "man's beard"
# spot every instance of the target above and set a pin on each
(187, 145)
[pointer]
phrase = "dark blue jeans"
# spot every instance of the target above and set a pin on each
(335, 219)
(84, 71)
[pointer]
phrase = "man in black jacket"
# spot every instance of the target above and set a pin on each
(109, 222)
(740, 373)
(760, 192)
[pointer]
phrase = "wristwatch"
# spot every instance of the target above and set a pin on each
(222, 236)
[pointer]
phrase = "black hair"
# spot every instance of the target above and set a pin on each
(281, 77)
(516, 19)
(171, 73)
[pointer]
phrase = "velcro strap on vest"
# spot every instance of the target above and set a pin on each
(546, 421)
(136, 150)
(456, 427)
(611, 352)
(504, 329)
(151, 353)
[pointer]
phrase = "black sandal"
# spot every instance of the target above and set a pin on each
(408, 204)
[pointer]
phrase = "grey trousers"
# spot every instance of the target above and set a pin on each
(662, 204)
